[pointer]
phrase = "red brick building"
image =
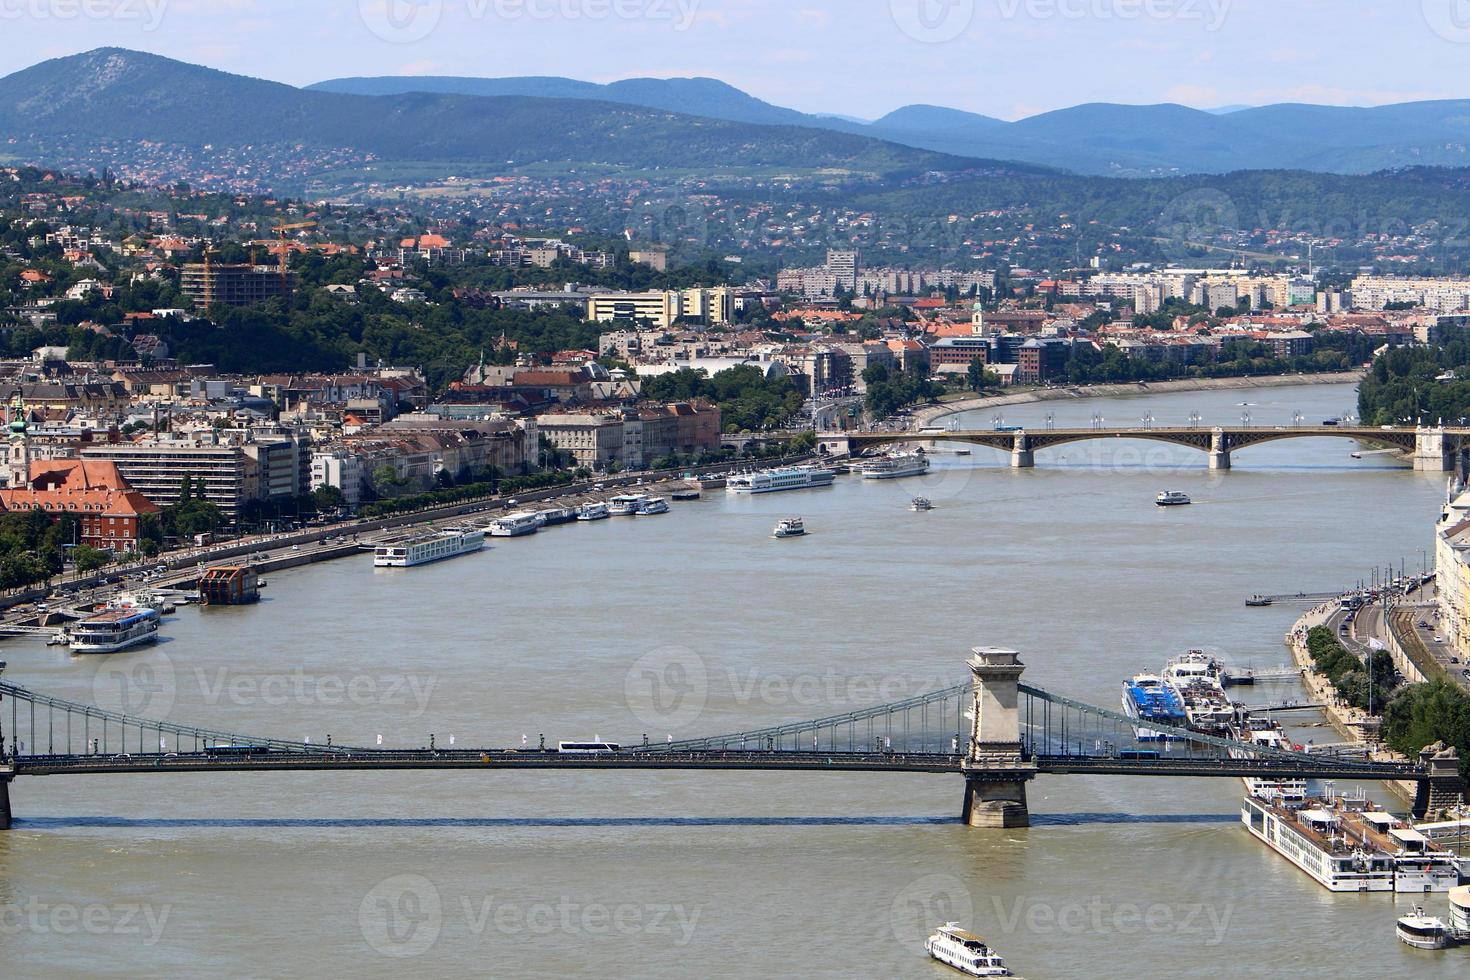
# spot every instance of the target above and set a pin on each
(109, 511)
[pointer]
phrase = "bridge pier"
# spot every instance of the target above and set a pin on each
(1430, 455)
(1022, 457)
(1442, 788)
(996, 772)
(5, 778)
(1219, 450)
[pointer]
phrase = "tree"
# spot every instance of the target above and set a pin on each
(88, 559)
(328, 498)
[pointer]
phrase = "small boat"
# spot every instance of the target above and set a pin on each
(1422, 931)
(792, 527)
(921, 504)
(688, 493)
(1257, 601)
(965, 951)
(652, 505)
(1173, 498)
(624, 505)
(593, 512)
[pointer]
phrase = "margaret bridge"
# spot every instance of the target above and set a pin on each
(1432, 449)
(994, 731)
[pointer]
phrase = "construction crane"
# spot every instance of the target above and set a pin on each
(284, 245)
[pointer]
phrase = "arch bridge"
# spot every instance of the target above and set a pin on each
(994, 731)
(1432, 449)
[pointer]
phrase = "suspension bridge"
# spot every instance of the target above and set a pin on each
(994, 731)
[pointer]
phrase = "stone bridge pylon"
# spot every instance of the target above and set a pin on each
(995, 767)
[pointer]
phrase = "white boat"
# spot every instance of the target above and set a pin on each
(921, 504)
(594, 512)
(776, 481)
(1422, 931)
(516, 525)
(1173, 498)
(965, 951)
(1348, 845)
(426, 548)
(652, 505)
(114, 630)
(896, 466)
(792, 527)
(1146, 698)
(625, 505)
(1199, 680)
(1264, 733)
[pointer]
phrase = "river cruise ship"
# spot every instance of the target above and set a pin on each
(1348, 845)
(517, 525)
(896, 466)
(426, 548)
(114, 630)
(966, 952)
(777, 481)
(1264, 733)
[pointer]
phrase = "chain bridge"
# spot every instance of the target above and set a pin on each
(994, 731)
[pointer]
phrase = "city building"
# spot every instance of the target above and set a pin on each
(233, 285)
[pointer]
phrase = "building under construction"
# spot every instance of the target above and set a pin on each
(233, 285)
(229, 585)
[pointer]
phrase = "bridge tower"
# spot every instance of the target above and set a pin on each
(1219, 450)
(1431, 451)
(1022, 456)
(995, 769)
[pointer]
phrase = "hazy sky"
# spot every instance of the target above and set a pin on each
(1008, 58)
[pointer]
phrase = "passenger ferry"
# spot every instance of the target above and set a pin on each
(426, 548)
(1267, 734)
(594, 512)
(776, 481)
(516, 525)
(1146, 698)
(965, 951)
(792, 527)
(1199, 680)
(114, 630)
(625, 505)
(1348, 845)
(652, 505)
(1422, 931)
(896, 466)
(1173, 498)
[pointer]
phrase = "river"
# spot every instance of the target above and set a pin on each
(698, 623)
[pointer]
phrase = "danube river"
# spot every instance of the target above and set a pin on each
(698, 622)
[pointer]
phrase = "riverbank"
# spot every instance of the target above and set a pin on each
(1350, 722)
(929, 414)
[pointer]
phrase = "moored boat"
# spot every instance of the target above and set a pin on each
(652, 505)
(624, 505)
(593, 512)
(1148, 700)
(516, 525)
(114, 630)
(1423, 931)
(554, 516)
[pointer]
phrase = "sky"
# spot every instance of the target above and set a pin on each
(863, 58)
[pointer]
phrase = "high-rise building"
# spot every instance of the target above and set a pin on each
(844, 267)
(233, 285)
